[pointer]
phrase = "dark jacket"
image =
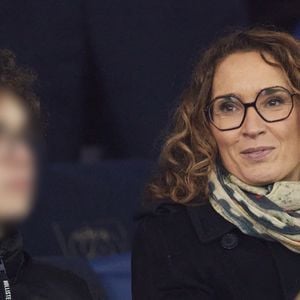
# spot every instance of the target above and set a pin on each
(192, 252)
(30, 280)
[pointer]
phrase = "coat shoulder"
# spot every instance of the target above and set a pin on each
(172, 215)
(196, 224)
(167, 213)
(62, 284)
(170, 223)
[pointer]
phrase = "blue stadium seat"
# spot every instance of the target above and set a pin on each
(86, 210)
(114, 274)
(84, 221)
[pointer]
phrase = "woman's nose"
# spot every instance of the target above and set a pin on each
(253, 123)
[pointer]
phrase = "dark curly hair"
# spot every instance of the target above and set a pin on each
(190, 151)
(20, 81)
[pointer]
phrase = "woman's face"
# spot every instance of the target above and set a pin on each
(245, 74)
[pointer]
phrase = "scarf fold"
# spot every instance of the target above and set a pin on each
(271, 212)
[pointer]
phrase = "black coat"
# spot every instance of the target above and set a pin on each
(30, 280)
(192, 252)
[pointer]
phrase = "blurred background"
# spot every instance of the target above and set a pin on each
(110, 74)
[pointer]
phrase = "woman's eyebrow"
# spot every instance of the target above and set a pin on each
(228, 96)
(239, 96)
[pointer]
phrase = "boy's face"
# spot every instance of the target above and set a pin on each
(17, 160)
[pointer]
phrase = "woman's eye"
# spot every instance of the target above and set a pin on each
(227, 107)
(275, 102)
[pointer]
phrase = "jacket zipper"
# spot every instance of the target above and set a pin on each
(5, 289)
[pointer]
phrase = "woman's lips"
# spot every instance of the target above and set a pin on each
(257, 155)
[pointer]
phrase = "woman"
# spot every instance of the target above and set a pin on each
(224, 219)
(20, 276)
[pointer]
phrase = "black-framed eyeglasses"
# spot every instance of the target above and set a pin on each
(272, 104)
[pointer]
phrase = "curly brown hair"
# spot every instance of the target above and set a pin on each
(190, 151)
(20, 81)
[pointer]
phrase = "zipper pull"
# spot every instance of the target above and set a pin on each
(6, 291)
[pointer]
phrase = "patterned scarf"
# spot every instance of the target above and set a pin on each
(270, 212)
